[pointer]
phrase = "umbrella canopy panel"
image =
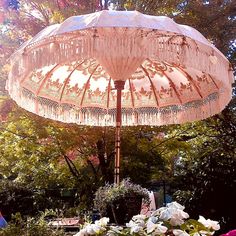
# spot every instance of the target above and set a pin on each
(172, 73)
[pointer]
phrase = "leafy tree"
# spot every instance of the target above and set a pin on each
(44, 155)
(30, 226)
(209, 174)
(40, 155)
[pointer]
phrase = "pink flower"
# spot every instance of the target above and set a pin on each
(230, 233)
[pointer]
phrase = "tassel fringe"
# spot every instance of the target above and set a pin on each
(107, 43)
(192, 111)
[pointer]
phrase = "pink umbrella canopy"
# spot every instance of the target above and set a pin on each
(82, 70)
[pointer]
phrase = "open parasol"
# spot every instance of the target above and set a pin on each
(120, 67)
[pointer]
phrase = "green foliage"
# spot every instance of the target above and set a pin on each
(15, 198)
(209, 176)
(193, 227)
(29, 227)
(47, 157)
(110, 193)
(210, 181)
(150, 151)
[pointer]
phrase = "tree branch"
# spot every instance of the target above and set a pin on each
(93, 168)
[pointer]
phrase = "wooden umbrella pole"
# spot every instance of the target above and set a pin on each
(119, 86)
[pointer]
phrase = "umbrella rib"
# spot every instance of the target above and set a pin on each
(173, 86)
(85, 88)
(190, 79)
(132, 94)
(47, 76)
(68, 79)
(213, 81)
(25, 77)
(152, 85)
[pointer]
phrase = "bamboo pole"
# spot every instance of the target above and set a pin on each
(119, 86)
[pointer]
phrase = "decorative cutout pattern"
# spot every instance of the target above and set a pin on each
(172, 73)
(157, 93)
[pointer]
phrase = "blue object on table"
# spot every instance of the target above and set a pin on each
(3, 222)
(95, 216)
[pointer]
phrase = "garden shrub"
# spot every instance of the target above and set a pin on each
(29, 227)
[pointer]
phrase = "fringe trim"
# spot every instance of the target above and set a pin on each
(192, 111)
(110, 43)
(114, 45)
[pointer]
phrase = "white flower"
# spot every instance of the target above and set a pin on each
(156, 228)
(210, 224)
(140, 223)
(139, 220)
(139, 217)
(131, 224)
(196, 234)
(110, 233)
(90, 230)
(153, 219)
(177, 217)
(175, 214)
(178, 232)
(135, 229)
(97, 228)
(160, 229)
(136, 224)
(166, 214)
(183, 214)
(114, 230)
(176, 221)
(158, 211)
(175, 205)
(82, 232)
(102, 222)
(150, 226)
(206, 233)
